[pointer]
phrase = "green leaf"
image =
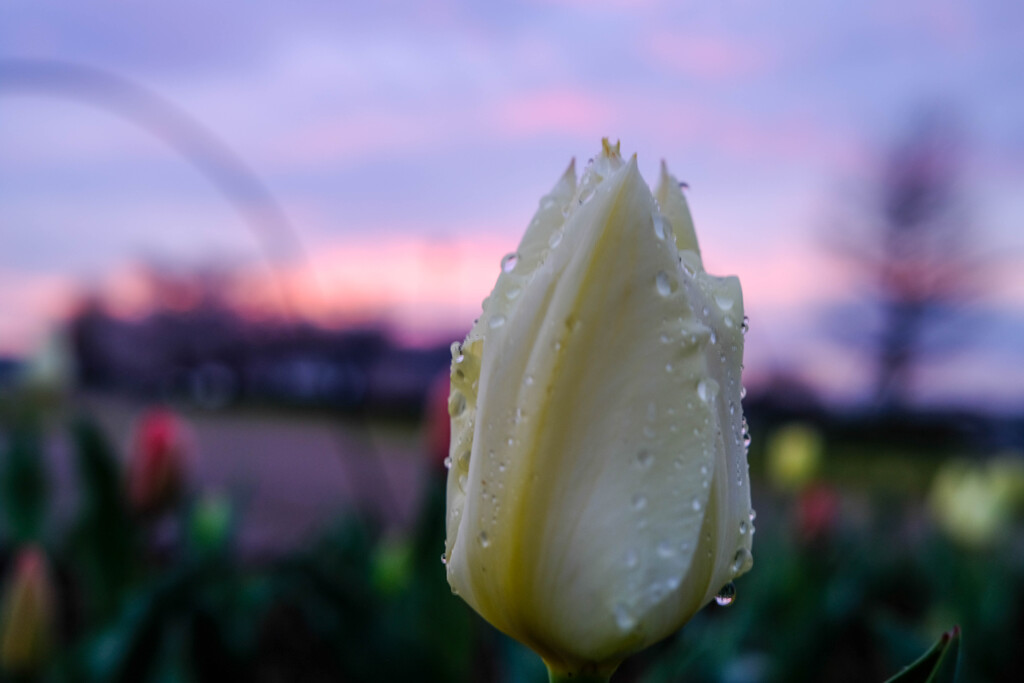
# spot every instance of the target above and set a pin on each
(106, 537)
(24, 485)
(938, 665)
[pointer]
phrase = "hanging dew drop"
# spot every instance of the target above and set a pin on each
(448, 462)
(509, 261)
(726, 595)
(745, 327)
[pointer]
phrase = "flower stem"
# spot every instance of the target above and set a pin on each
(559, 677)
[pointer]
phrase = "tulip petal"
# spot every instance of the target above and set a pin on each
(598, 486)
(676, 209)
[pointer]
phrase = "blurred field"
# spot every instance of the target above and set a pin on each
(290, 472)
(306, 547)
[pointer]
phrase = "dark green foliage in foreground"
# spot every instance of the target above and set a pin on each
(855, 601)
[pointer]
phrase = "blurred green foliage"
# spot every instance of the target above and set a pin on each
(851, 583)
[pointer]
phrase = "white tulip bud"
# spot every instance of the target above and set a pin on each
(598, 492)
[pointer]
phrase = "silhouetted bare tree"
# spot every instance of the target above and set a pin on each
(914, 250)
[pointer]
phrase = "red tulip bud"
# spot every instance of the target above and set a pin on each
(159, 462)
(27, 614)
(817, 512)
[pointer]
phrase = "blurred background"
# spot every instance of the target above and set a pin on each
(237, 239)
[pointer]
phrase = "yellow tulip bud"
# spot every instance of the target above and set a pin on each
(27, 614)
(794, 456)
(976, 504)
(598, 491)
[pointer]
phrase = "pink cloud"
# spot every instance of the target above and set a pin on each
(29, 305)
(704, 56)
(562, 110)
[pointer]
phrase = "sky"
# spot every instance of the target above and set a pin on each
(408, 143)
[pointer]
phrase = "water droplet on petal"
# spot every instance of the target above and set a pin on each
(623, 619)
(665, 549)
(663, 283)
(448, 462)
(631, 559)
(639, 502)
(724, 301)
(706, 390)
(444, 559)
(509, 261)
(662, 227)
(484, 541)
(741, 558)
(726, 595)
(696, 505)
(644, 459)
(496, 322)
(689, 261)
(745, 327)
(456, 404)
(513, 293)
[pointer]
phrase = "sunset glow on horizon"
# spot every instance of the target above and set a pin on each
(407, 145)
